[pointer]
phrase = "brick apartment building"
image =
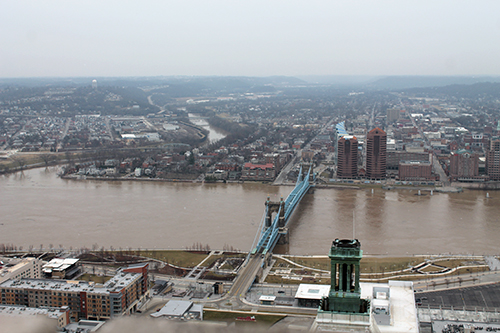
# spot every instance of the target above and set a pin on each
(86, 300)
(415, 170)
(252, 171)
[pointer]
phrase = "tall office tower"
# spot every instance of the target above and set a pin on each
(376, 154)
(392, 115)
(493, 159)
(347, 159)
(464, 164)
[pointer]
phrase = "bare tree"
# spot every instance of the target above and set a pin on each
(19, 161)
(69, 157)
(47, 158)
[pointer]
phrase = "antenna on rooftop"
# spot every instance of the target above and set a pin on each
(353, 224)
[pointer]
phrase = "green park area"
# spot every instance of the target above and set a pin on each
(262, 321)
(308, 269)
(297, 269)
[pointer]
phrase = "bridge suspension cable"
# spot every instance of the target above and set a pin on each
(269, 234)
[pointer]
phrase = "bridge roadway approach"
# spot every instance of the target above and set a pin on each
(270, 234)
(246, 276)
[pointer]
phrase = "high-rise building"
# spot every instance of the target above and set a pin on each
(392, 115)
(376, 154)
(464, 165)
(347, 157)
(493, 159)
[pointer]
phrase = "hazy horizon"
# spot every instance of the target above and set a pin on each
(259, 38)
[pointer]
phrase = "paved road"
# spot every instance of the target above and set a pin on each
(246, 277)
(435, 162)
(296, 159)
(64, 133)
(284, 172)
(454, 281)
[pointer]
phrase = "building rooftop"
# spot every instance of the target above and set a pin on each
(116, 283)
(10, 265)
(21, 310)
(312, 291)
(415, 162)
(259, 166)
(58, 264)
(174, 309)
(84, 326)
(401, 304)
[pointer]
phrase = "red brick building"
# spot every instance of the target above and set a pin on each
(347, 159)
(415, 170)
(376, 154)
(258, 171)
(464, 165)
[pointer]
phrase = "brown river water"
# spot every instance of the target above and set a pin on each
(38, 208)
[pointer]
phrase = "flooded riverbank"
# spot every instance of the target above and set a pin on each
(38, 208)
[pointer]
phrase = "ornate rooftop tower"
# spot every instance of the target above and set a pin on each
(345, 296)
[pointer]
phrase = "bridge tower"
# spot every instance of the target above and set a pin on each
(305, 166)
(345, 293)
(275, 207)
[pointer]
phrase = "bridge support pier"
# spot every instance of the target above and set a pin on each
(284, 237)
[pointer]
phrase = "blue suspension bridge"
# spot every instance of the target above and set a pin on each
(270, 231)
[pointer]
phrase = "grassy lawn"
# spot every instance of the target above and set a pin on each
(387, 264)
(214, 258)
(371, 267)
(185, 258)
(261, 320)
(177, 258)
(368, 264)
(458, 262)
(278, 279)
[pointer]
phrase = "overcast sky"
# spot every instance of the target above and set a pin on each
(249, 37)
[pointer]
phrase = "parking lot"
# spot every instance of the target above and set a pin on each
(487, 297)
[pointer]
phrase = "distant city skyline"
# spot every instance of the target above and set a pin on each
(253, 38)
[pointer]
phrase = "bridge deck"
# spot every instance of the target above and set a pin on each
(269, 235)
(268, 238)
